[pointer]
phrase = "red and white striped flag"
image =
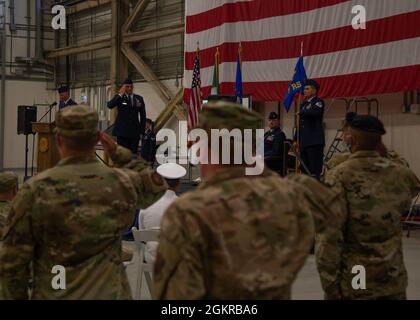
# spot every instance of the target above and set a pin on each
(195, 96)
(384, 57)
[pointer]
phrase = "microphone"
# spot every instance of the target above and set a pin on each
(49, 111)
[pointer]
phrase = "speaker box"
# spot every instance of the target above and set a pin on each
(26, 115)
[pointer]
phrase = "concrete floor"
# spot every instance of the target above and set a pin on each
(308, 286)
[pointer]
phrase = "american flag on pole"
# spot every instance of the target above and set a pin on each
(347, 62)
(195, 96)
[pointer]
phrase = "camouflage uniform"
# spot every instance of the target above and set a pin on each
(336, 160)
(8, 181)
(395, 157)
(341, 157)
(236, 236)
(73, 215)
(325, 205)
(374, 192)
(4, 211)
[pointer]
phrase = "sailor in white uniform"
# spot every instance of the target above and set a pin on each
(151, 217)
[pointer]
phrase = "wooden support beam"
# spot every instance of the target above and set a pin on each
(86, 5)
(114, 50)
(118, 62)
(147, 73)
(174, 107)
(66, 51)
(180, 112)
(146, 35)
(137, 12)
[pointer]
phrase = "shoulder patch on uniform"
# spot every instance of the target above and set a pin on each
(319, 104)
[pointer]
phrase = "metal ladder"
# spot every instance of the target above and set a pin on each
(334, 147)
(338, 139)
(368, 102)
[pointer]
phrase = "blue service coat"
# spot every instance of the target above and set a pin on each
(311, 129)
(127, 124)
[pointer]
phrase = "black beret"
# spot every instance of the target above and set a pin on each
(350, 116)
(273, 116)
(368, 123)
(63, 89)
(128, 81)
(312, 83)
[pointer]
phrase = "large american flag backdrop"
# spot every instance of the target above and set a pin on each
(385, 57)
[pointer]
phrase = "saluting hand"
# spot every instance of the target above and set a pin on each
(110, 147)
(122, 90)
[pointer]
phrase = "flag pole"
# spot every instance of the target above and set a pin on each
(298, 132)
(240, 69)
(297, 120)
(240, 53)
(218, 70)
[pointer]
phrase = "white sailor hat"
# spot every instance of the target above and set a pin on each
(171, 171)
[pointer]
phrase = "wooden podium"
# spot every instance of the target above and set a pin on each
(48, 155)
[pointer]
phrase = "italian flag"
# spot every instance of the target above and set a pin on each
(215, 89)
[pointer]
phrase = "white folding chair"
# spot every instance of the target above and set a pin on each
(141, 237)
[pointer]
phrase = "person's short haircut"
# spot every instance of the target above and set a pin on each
(78, 144)
(149, 121)
(172, 183)
(366, 140)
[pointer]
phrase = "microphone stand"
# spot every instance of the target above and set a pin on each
(49, 111)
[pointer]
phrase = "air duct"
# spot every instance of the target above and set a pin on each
(12, 24)
(39, 50)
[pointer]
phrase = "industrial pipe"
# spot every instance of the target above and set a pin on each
(39, 50)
